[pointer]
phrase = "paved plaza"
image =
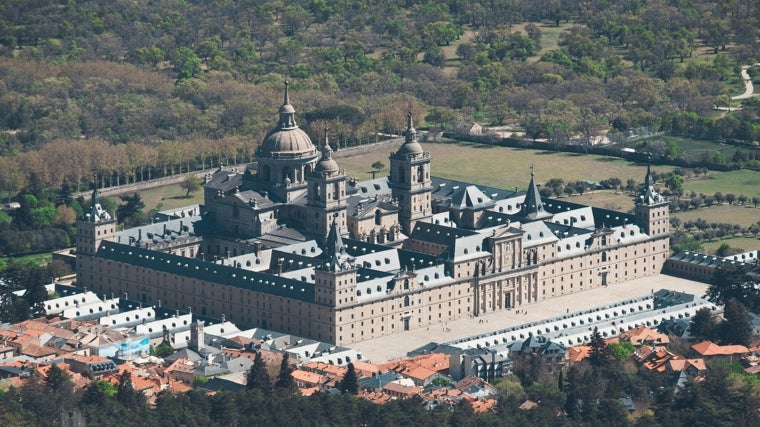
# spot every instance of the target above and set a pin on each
(396, 346)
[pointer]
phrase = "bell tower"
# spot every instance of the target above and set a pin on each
(410, 180)
(326, 200)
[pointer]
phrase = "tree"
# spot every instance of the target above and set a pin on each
(127, 395)
(621, 350)
(258, 378)
(377, 167)
(737, 326)
(56, 379)
(164, 349)
(598, 348)
(191, 184)
(702, 324)
(130, 211)
(675, 184)
(285, 378)
(725, 250)
(187, 64)
(735, 282)
(349, 383)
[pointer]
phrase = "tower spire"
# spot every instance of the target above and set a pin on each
(411, 133)
(533, 205)
(287, 112)
(326, 149)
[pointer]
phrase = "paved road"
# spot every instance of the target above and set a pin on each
(396, 346)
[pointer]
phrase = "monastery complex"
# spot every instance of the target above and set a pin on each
(293, 244)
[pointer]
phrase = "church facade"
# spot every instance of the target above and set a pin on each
(294, 245)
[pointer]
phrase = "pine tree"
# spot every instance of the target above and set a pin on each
(285, 378)
(56, 378)
(127, 395)
(350, 384)
(737, 328)
(598, 347)
(258, 378)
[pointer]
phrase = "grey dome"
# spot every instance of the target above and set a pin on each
(286, 140)
(410, 147)
(326, 163)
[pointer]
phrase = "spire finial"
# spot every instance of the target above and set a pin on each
(531, 170)
(409, 123)
(326, 148)
(287, 96)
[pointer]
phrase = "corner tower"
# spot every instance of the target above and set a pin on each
(652, 210)
(410, 180)
(92, 228)
(326, 201)
(335, 278)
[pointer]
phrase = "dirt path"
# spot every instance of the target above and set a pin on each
(748, 88)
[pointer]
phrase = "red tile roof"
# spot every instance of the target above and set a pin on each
(708, 348)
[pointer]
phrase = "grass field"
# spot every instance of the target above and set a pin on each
(691, 148)
(608, 199)
(743, 181)
(732, 214)
(504, 167)
(169, 197)
(744, 244)
(36, 259)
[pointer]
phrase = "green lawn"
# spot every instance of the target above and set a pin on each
(745, 244)
(169, 197)
(607, 199)
(742, 181)
(505, 167)
(36, 259)
(732, 214)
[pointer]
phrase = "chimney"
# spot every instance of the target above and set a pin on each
(164, 229)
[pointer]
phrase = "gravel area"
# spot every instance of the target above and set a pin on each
(396, 346)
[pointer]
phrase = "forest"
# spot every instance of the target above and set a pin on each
(107, 93)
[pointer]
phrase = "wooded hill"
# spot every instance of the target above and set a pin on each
(126, 89)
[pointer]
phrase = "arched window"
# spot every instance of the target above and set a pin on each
(420, 174)
(406, 301)
(406, 284)
(378, 217)
(604, 256)
(265, 173)
(401, 177)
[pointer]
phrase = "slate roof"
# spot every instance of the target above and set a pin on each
(470, 197)
(533, 206)
(222, 274)
(225, 181)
